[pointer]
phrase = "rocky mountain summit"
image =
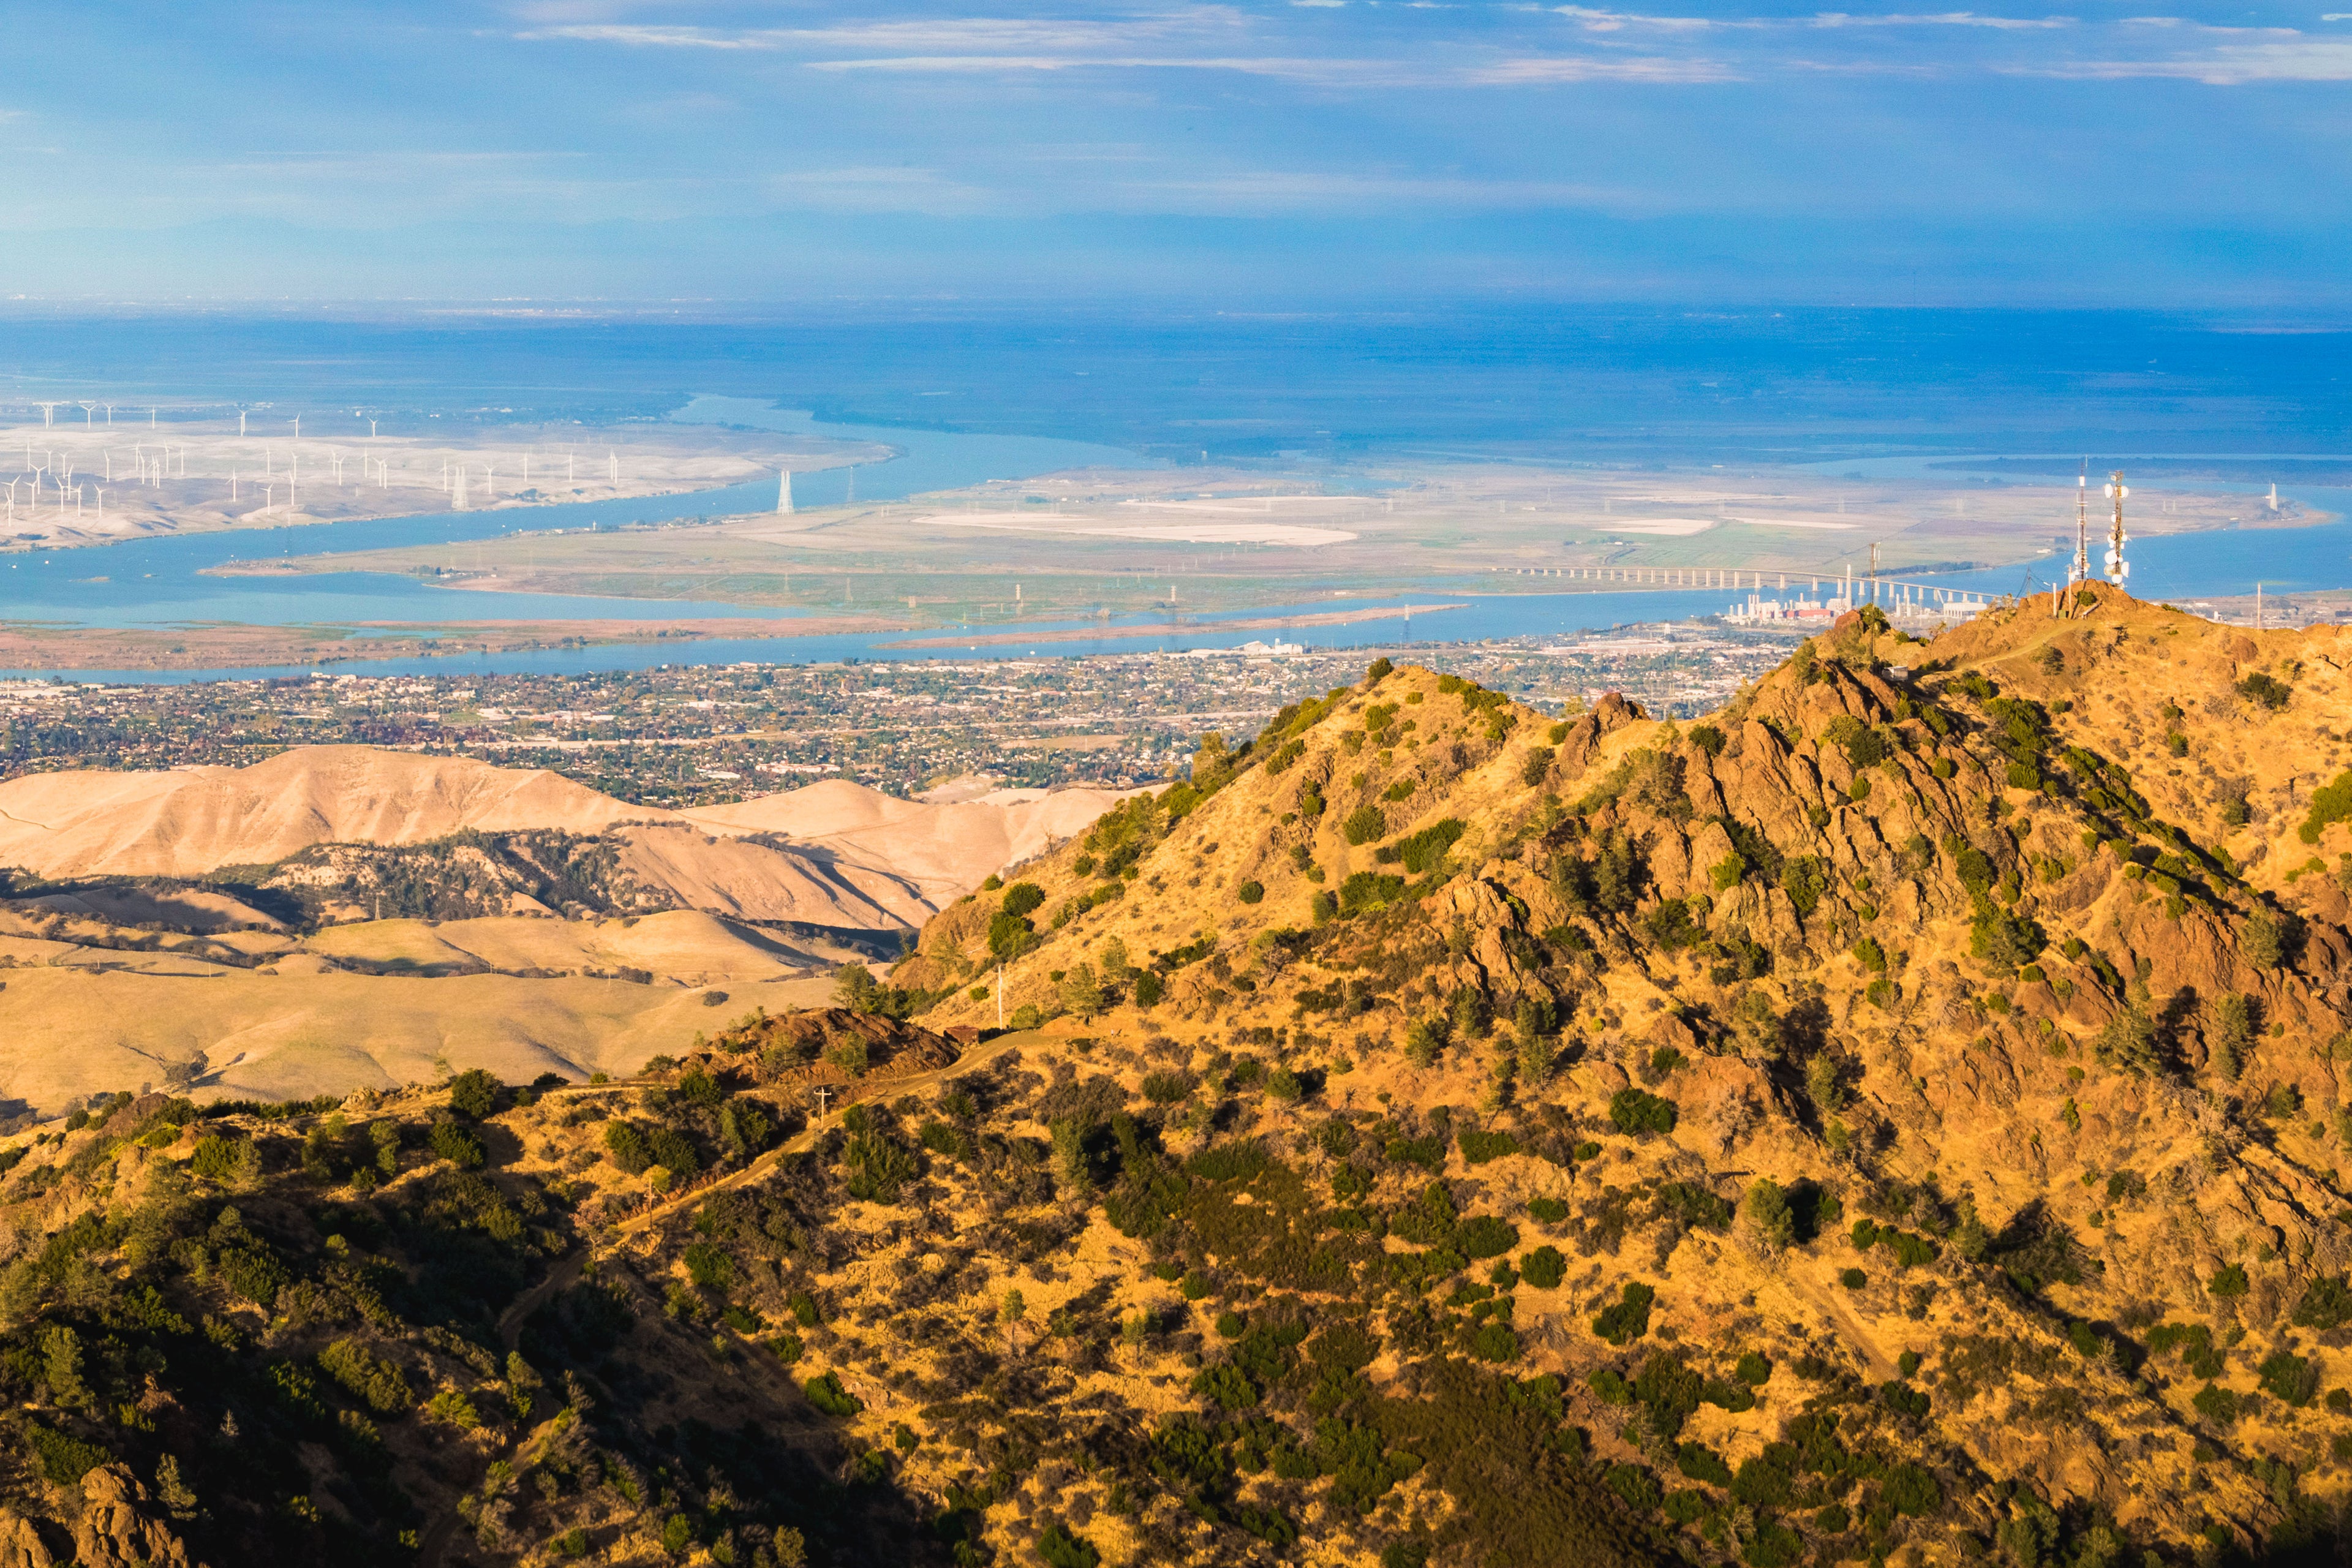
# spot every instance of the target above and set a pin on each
(1894, 1119)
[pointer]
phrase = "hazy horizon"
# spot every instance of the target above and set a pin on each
(1302, 152)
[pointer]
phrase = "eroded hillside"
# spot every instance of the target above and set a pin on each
(1894, 1119)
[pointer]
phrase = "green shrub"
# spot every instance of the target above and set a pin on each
(2289, 1378)
(1022, 899)
(1483, 1235)
(369, 1378)
(1853, 1279)
(474, 1093)
(1544, 1268)
(452, 1142)
(1368, 891)
(2326, 1304)
(1546, 1211)
(2330, 803)
(1701, 1463)
(1477, 1147)
(1363, 824)
(2229, 1281)
(827, 1394)
(2265, 691)
(1914, 1492)
(1629, 1319)
(1901, 1397)
(1060, 1549)
(63, 1460)
(454, 1409)
(1494, 1341)
(227, 1160)
(1634, 1111)
(1753, 1369)
(1251, 892)
(1636, 1486)
(1008, 935)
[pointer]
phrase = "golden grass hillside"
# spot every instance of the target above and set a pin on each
(1894, 1120)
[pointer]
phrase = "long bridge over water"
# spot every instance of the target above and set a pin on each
(1895, 592)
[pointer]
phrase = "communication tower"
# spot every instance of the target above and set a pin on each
(2117, 567)
(2082, 524)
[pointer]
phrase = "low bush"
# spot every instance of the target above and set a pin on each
(1634, 1111)
(827, 1394)
(1629, 1319)
(1544, 1268)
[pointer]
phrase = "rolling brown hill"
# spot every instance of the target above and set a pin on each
(146, 972)
(190, 821)
(946, 848)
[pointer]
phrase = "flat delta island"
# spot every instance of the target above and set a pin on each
(84, 482)
(1103, 544)
(1892, 1118)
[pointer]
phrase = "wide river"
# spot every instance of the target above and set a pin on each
(160, 581)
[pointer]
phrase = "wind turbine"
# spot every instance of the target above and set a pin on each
(86, 420)
(48, 415)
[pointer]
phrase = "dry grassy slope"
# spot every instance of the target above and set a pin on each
(945, 848)
(861, 858)
(1963, 1082)
(185, 822)
(88, 1017)
(2125, 661)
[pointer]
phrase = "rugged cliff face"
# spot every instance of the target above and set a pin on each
(1895, 1118)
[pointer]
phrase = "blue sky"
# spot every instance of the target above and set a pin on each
(1266, 151)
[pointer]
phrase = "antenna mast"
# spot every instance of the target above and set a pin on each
(2082, 523)
(2117, 567)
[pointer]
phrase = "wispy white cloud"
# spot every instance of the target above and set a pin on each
(1941, 19)
(991, 34)
(1532, 70)
(2223, 64)
(1673, 49)
(1270, 190)
(1595, 21)
(1537, 71)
